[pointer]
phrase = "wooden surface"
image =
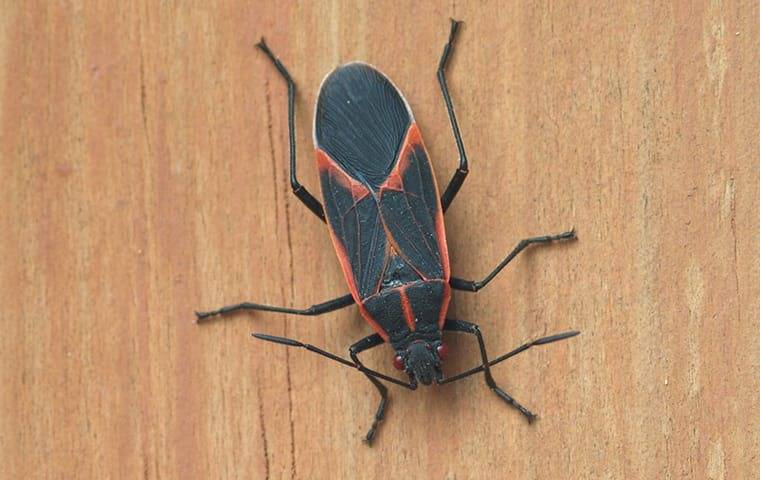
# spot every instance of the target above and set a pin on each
(144, 175)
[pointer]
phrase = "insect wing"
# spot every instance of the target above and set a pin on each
(355, 226)
(361, 121)
(380, 196)
(411, 211)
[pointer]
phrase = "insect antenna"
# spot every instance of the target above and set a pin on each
(289, 342)
(520, 349)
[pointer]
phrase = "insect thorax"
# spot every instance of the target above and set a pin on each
(409, 311)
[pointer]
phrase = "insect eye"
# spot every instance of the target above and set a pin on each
(443, 351)
(398, 362)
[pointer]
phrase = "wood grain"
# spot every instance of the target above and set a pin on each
(144, 176)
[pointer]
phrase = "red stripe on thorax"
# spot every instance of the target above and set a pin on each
(407, 309)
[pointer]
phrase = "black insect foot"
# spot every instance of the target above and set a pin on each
(378, 418)
(370, 436)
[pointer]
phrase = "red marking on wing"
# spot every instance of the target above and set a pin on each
(413, 139)
(326, 164)
(440, 231)
(358, 191)
(407, 308)
(393, 182)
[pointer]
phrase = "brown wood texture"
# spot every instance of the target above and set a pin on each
(144, 175)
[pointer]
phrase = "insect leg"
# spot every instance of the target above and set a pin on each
(298, 189)
(474, 286)
(525, 346)
(318, 309)
(289, 342)
(365, 344)
(459, 175)
(373, 376)
(471, 328)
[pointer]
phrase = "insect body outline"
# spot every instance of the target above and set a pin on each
(385, 217)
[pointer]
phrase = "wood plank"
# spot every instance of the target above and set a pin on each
(144, 176)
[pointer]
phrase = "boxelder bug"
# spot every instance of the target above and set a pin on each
(385, 217)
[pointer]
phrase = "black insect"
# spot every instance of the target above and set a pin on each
(385, 216)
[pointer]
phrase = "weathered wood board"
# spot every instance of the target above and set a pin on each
(144, 175)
